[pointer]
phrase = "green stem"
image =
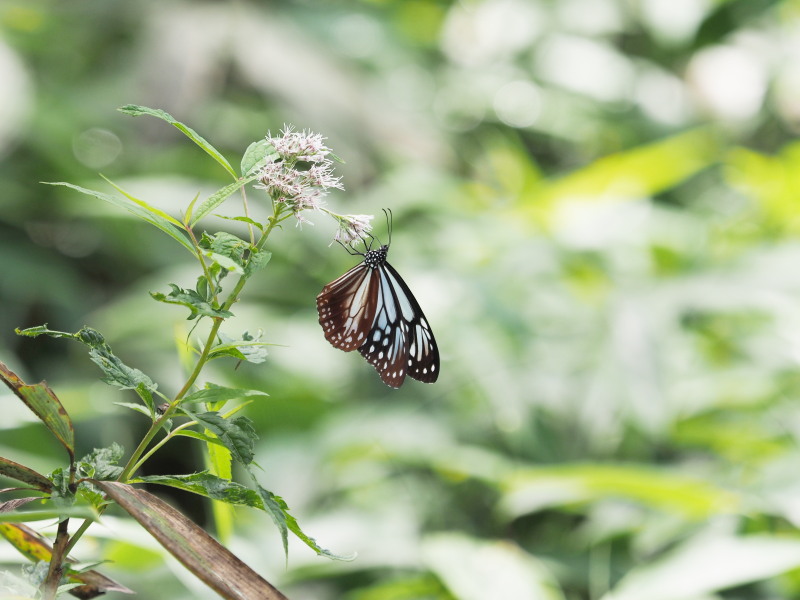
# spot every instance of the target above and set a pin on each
(136, 461)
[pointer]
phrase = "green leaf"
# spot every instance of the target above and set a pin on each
(226, 244)
(248, 348)
(101, 463)
(198, 305)
(219, 197)
(117, 373)
(217, 393)
(42, 330)
(151, 209)
(200, 436)
(135, 111)
(224, 262)
(45, 405)
(147, 397)
(190, 209)
(157, 221)
(257, 155)
(208, 485)
(641, 171)
(277, 508)
(256, 262)
(136, 407)
(243, 220)
(12, 470)
(238, 435)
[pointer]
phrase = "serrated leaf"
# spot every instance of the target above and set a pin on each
(45, 405)
(277, 508)
(198, 306)
(227, 245)
(257, 155)
(209, 485)
(157, 221)
(117, 373)
(218, 393)
(103, 462)
(238, 435)
(135, 111)
(18, 472)
(216, 566)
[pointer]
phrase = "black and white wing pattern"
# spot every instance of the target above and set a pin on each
(371, 308)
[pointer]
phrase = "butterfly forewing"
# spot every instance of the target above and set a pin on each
(371, 308)
(345, 311)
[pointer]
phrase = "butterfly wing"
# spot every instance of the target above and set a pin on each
(400, 341)
(347, 307)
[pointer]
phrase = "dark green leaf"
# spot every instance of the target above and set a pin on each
(191, 300)
(101, 463)
(238, 434)
(117, 373)
(209, 485)
(147, 398)
(135, 111)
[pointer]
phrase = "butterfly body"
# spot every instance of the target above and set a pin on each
(371, 309)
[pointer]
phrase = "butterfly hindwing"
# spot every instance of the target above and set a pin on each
(422, 352)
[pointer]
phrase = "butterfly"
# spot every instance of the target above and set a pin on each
(370, 308)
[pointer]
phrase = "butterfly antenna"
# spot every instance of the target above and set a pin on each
(389, 220)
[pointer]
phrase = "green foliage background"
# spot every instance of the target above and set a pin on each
(595, 202)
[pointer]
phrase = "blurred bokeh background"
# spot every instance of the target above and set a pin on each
(595, 202)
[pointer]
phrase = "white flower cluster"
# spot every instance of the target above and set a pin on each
(303, 175)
